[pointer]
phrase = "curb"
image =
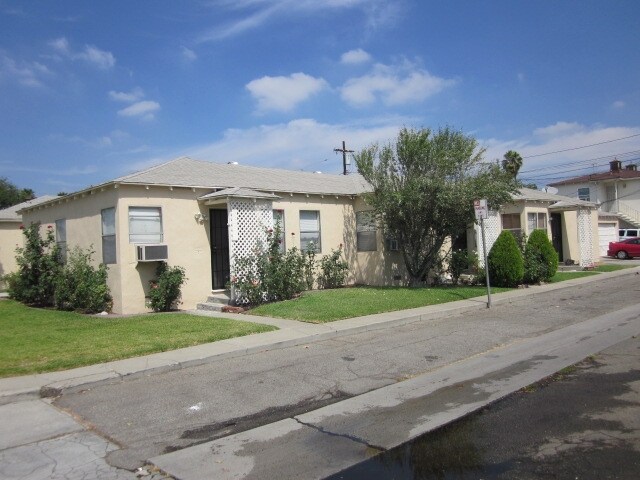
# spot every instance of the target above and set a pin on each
(68, 381)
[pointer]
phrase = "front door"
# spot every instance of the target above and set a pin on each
(218, 224)
(556, 233)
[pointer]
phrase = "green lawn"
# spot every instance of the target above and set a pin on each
(36, 340)
(322, 306)
(562, 276)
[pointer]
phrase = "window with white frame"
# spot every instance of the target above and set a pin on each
(310, 230)
(511, 222)
(366, 232)
(391, 243)
(278, 221)
(61, 238)
(108, 235)
(145, 225)
(536, 221)
(584, 194)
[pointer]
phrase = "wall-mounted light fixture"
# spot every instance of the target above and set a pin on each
(200, 217)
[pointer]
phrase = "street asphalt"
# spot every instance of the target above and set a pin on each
(341, 391)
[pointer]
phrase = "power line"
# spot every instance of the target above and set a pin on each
(584, 146)
(588, 160)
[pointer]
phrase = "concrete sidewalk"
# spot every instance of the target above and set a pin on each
(289, 333)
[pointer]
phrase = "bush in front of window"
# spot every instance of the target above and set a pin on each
(540, 258)
(165, 291)
(81, 286)
(506, 266)
(333, 270)
(39, 265)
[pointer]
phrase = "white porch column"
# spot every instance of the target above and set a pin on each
(585, 237)
(249, 220)
(492, 228)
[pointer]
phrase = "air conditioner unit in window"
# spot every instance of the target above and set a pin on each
(152, 252)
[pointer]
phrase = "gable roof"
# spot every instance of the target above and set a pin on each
(187, 172)
(556, 200)
(622, 174)
(10, 214)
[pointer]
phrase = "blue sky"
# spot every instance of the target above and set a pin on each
(90, 91)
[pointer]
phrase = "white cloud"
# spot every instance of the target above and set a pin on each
(28, 74)
(566, 138)
(618, 104)
(145, 110)
(90, 54)
(377, 13)
(99, 58)
(284, 93)
(188, 54)
(353, 57)
(128, 97)
(393, 85)
(299, 144)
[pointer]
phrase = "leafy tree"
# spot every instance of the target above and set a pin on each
(12, 195)
(423, 190)
(512, 162)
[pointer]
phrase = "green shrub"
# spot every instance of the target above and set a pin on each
(540, 258)
(82, 287)
(459, 262)
(38, 268)
(270, 274)
(506, 267)
(333, 270)
(165, 290)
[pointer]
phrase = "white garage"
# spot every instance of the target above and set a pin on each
(608, 232)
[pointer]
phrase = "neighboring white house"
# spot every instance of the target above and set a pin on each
(617, 194)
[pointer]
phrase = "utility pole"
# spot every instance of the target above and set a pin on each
(344, 157)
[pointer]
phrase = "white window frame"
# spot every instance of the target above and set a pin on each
(307, 230)
(517, 232)
(582, 195)
(278, 216)
(140, 232)
(536, 221)
(61, 238)
(366, 231)
(108, 235)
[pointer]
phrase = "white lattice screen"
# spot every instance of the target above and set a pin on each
(585, 237)
(492, 228)
(249, 221)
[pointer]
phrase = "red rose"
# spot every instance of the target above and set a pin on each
(21, 227)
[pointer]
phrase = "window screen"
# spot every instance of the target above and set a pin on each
(145, 225)
(108, 235)
(366, 232)
(310, 230)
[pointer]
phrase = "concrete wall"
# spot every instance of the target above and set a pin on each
(10, 238)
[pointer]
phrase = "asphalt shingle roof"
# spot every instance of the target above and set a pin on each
(187, 172)
(10, 214)
(540, 196)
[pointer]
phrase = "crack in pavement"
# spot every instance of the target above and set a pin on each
(352, 438)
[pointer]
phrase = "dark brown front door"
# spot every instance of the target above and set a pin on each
(219, 229)
(556, 233)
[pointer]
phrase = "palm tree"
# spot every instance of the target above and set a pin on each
(512, 162)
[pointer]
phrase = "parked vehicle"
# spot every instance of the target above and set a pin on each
(628, 248)
(625, 233)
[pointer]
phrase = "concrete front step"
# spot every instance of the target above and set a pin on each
(210, 307)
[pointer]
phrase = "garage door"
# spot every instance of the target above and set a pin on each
(608, 233)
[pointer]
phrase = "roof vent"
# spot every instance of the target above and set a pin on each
(615, 165)
(232, 163)
(632, 166)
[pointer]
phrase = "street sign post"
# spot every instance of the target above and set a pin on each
(482, 212)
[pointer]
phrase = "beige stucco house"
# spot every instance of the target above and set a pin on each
(11, 234)
(201, 215)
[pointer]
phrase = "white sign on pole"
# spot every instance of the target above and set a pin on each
(480, 207)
